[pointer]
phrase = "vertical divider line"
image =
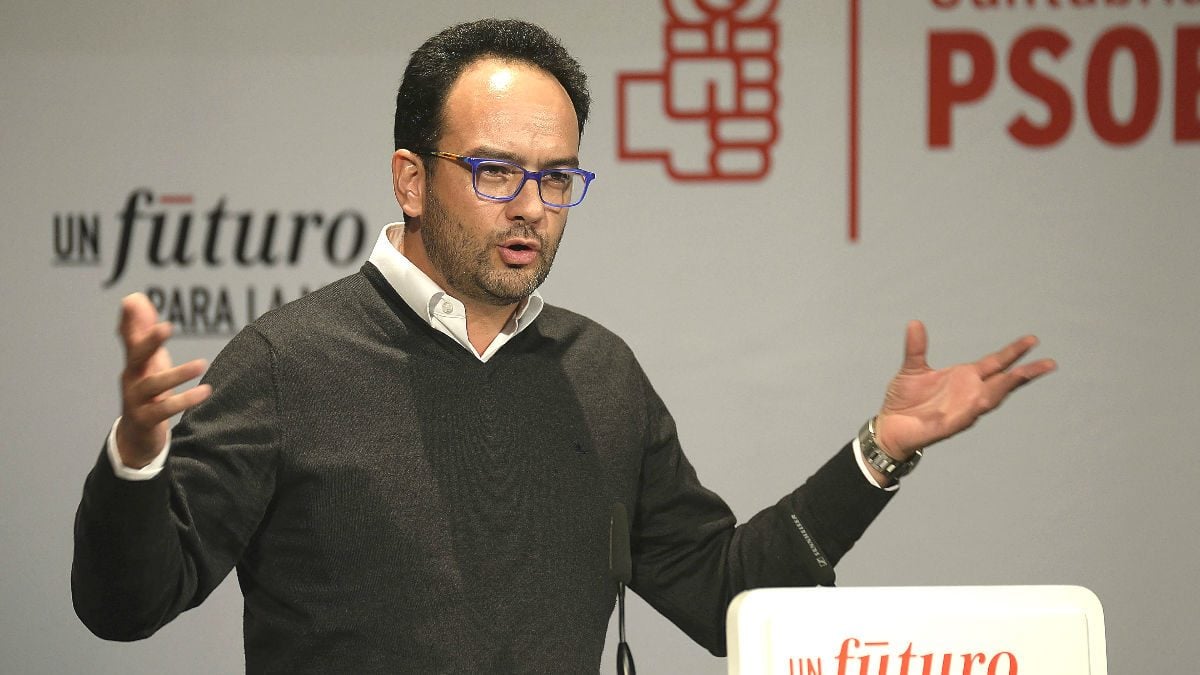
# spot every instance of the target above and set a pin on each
(853, 121)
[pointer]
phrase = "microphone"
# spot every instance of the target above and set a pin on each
(620, 565)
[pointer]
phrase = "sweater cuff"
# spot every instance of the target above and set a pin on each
(126, 473)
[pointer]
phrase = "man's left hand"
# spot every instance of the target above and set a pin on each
(924, 405)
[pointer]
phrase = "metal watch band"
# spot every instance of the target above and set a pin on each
(877, 458)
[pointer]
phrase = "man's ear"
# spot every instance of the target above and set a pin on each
(408, 181)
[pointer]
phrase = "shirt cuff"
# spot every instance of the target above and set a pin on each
(862, 466)
(125, 473)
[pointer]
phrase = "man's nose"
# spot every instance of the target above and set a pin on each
(527, 205)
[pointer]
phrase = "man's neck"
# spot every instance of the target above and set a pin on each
(484, 323)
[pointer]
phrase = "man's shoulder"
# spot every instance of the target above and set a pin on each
(555, 321)
(581, 333)
(328, 314)
(329, 305)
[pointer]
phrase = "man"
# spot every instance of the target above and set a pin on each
(413, 468)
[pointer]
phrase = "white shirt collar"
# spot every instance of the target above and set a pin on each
(444, 312)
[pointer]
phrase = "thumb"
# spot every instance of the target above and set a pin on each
(915, 344)
(137, 315)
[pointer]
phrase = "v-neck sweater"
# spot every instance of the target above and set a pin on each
(393, 504)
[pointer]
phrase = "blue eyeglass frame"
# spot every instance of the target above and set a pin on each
(536, 176)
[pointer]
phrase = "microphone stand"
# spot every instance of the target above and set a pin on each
(624, 655)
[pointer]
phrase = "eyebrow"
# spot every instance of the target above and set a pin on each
(571, 161)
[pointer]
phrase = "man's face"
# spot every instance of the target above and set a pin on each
(498, 252)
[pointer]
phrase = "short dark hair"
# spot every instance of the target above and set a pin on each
(436, 65)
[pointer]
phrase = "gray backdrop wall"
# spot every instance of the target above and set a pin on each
(768, 311)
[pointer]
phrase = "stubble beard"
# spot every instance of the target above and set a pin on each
(466, 263)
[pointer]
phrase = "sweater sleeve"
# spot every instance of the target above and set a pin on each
(690, 556)
(147, 550)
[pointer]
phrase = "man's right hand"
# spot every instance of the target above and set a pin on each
(148, 398)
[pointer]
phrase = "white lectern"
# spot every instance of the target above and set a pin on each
(940, 630)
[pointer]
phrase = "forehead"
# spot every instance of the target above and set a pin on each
(511, 106)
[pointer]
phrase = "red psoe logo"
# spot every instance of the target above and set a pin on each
(717, 93)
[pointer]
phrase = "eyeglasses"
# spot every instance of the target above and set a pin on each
(501, 181)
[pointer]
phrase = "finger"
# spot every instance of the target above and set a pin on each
(915, 343)
(1029, 372)
(140, 349)
(1000, 360)
(1000, 386)
(150, 414)
(153, 386)
(140, 329)
(137, 315)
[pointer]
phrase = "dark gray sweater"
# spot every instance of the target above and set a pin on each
(394, 505)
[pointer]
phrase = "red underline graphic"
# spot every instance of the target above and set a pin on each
(175, 199)
(852, 160)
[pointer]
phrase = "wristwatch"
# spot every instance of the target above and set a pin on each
(877, 458)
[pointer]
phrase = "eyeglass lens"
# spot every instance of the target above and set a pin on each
(500, 180)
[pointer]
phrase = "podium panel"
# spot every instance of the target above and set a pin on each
(935, 630)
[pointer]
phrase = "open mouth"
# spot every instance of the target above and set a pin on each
(518, 253)
(521, 244)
